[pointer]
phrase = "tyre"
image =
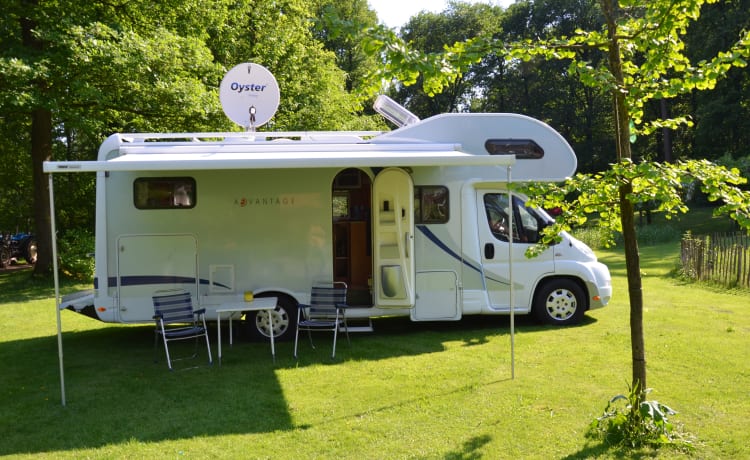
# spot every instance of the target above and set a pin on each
(256, 323)
(30, 251)
(560, 302)
(4, 257)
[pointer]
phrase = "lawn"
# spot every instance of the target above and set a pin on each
(408, 390)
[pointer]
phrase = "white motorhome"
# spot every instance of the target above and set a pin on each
(414, 220)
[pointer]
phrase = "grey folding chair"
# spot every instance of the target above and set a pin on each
(325, 312)
(177, 320)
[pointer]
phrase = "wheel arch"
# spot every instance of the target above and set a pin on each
(552, 278)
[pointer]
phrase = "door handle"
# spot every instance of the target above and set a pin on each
(489, 251)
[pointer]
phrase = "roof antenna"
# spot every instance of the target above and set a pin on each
(394, 112)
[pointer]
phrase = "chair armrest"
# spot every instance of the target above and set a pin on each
(199, 312)
(158, 316)
(302, 305)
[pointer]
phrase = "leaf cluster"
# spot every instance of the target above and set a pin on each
(660, 186)
(631, 421)
(648, 36)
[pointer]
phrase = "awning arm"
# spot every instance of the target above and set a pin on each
(53, 230)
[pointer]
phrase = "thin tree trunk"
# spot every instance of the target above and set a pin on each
(666, 132)
(610, 9)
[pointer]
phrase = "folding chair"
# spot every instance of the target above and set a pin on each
(325, 312)
(176, 320)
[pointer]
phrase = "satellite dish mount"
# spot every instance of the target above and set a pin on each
(249, 95)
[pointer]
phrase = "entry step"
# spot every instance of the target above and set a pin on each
(360, 328)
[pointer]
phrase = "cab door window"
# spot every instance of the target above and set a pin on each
(526, 223)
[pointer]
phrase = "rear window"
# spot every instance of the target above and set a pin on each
(164, 193)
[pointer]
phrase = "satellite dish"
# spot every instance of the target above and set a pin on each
(249, 95)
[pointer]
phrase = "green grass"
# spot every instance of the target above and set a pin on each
(409, 390)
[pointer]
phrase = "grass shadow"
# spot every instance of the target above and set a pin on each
(116, 393)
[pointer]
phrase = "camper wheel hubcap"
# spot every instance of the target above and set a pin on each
(280, 322)
(561, 304)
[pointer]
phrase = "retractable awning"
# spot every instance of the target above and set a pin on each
(186, 157)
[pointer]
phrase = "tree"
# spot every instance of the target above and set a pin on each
(646, 61)
(68, 67)
(428, 32)
(339, 26)
(74, 72)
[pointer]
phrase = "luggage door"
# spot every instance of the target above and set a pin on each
(393, 239)
(148, 263)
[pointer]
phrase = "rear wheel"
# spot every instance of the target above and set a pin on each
(257, 323)
(560, 302)
(30, 251)
(4, 257)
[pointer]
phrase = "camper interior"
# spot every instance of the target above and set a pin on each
(352, 254)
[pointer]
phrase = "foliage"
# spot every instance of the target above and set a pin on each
(596, 237)
(652, 182)
(632, 421)
(72, 73)
(75, 250)
(650, 40)
(428, 32)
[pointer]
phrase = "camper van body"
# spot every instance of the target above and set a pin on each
(403, 217)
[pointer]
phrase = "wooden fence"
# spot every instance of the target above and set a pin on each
(722, 258)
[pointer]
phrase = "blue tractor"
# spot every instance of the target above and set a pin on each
(13, 248)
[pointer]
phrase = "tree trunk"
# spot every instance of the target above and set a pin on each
(610, 8)
(41, 151)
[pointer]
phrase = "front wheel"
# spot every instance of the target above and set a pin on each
(559, 302)
(284, 318)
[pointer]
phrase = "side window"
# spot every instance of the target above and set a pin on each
(496, 207)
(164, 193)
(527, 223)
(431, 204)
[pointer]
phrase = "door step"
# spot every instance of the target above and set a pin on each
(359, 325)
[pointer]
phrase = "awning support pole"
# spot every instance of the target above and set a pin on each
(53, 229)
(510, 277)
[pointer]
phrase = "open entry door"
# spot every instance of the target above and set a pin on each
(393, 238)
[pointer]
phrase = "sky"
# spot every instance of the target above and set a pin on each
(395, 13)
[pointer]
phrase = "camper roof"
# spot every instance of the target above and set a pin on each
(443, 140)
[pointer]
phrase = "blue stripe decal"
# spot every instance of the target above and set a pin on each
(432, 237)
(140, 280)
(436, 241)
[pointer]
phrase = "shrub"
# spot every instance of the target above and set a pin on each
(648, 235)
(630, 421)
(75, 250)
